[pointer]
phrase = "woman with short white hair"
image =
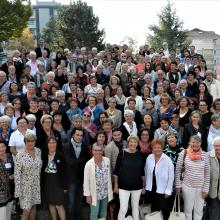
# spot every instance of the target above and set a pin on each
(129, 127)
(31, 122)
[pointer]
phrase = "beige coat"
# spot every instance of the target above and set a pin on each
(214, 175)
(89, 186)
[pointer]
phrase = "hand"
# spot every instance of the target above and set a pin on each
(116, 190)
(89, 199)
(204, 195)
(178, 191)
(166, 196)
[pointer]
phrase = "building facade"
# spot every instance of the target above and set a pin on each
(206, 43)
(42, 12)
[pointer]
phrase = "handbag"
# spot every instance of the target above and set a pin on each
(144, 209)
(154, 216)
(176, 215)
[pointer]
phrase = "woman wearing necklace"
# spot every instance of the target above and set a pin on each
(54, 179)
(195, 127)
(27, 177)
(97, 183)
(114, 113)
(6, 177)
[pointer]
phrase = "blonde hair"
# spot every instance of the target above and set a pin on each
(132, 137)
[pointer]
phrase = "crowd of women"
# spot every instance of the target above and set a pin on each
(108, 129)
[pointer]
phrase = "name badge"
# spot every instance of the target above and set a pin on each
(8, 165)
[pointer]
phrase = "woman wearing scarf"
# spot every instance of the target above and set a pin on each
(196, 179)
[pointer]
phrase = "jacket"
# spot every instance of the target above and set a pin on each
(164, 172)
(74, 165)
(61, 169)
(89, 186)
(214, 176)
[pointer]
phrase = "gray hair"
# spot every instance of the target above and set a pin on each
(5, 118)
(196, 137)
(51, 73)
(3, 73)
(59, 92)
(215, 140)
(128, 112)
(31, 117)
(215, 117)
(31, 84)
(29, 136)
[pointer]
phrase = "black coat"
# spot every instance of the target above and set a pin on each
(75, 166)
(39, 54)
(189, 130)
(61, 169)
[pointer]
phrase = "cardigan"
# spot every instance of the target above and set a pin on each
(164, 172)
(214, 176)
(89, 185)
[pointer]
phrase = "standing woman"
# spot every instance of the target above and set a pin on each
(6, 177)
(159, 175)
(195, 127)
(129, 178)
(54, 179)
(27, 177)
(214, 193)
(97, 183)
(196, 179)
(145, 141)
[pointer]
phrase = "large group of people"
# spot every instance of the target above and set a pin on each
(106, 129)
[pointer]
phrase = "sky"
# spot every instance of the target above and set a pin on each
(122, 18)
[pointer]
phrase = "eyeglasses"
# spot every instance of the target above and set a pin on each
(134, 78)
(30, 141)
(86, 115)
(17, 103)
(123, 56)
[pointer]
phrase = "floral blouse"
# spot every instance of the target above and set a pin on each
(101, 176)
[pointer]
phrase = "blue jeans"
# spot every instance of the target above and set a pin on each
(214, 209)
(100, 210)
(75, 198)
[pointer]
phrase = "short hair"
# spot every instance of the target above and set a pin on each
(33, 99)
(175, 116)
(165, 95)
(128, 112)
(58, 92)
(196, 137)
(77, 116)
(29, 136)
(5, 118)
(214, 103)
(115, 129)
(31, 84)
(51, 73)
(195, 112)
(132, 137)
(107, 121)
(215, 117)
(31, 117)
(20, 118)
(157, 141)
(76, 129)
(91, 96)
(216, 139)
(101, 131)
(8, 106)
(44, 117)
(131, 100)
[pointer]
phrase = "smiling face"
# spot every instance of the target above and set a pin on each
(52, 146)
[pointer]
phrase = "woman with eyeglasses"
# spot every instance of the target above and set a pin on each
(16, 103)
(16, 141)
(145, 138)
(27, 177)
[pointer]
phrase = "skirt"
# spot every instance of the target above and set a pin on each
(54, 193)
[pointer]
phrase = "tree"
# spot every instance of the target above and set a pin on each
(25, 41)
(170, 29)
(14, 16)
(131, 42)
(78, 26)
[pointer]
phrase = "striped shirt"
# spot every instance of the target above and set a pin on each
(196, 174)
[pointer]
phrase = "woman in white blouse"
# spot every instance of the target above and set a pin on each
(159, 174)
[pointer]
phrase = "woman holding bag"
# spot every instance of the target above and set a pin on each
(194, 164)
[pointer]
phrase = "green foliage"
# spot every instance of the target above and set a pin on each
(76, 25)
(170, 29)
(14, 16)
